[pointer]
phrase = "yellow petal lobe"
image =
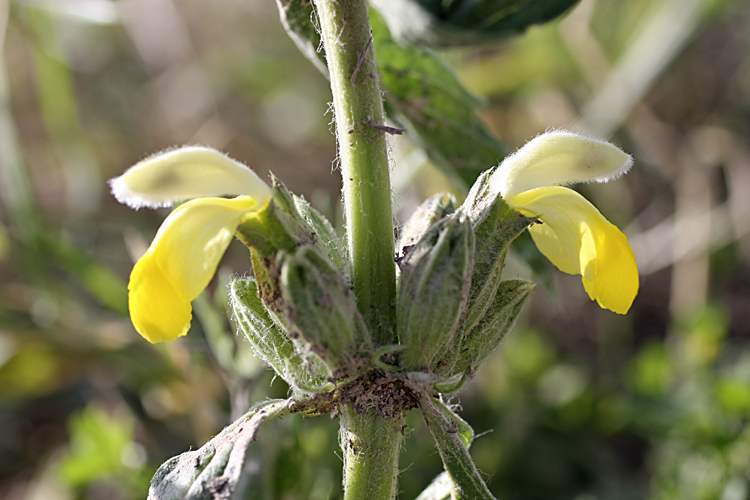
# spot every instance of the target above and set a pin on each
(158, 310)
(179, 264)
(579, 240)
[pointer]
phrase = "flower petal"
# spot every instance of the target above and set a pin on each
(185, 173)
(558, 158)
(158, 310)
(180, 262)
(579, 240)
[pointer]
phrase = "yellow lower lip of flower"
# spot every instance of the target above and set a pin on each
(180, 263)
(579, 240)
(158, 310)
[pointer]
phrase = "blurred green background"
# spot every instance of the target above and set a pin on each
(578, 403)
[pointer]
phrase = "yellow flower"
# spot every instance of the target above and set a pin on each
(184, 255)
(572, 234)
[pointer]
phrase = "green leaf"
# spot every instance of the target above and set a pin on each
(447, 23)
(424, 97)
(467, 484)
(214, 470)
(297, 16)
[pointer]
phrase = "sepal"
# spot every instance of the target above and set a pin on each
(498, 320)
(324, 236)
(276, 226)
(495, 225)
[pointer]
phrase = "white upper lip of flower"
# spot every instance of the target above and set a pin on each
(186, 173)
(558, 158)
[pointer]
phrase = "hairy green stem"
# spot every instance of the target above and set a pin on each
(371, 446)
(358, 109)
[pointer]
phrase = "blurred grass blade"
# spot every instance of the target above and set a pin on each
(220, 341)
(95, 278)
(421, 95)
(448, 23)
(214, 470)
(467, 484)
(15, 186)
(59, 107)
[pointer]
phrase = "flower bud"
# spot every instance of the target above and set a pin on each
(269, 343)
(433, 290)
(282, 225)
(321, 310)
(325, 237)
(428, 213)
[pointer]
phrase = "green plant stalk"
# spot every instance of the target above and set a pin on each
(371, 444)
(371, 447)
(358, 110)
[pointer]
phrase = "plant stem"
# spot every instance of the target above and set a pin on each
(358, 110)
(371, 446)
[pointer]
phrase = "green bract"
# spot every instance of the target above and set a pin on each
(305, 373)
